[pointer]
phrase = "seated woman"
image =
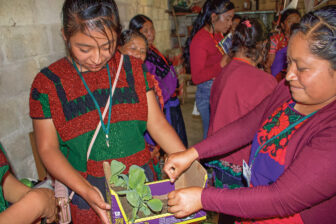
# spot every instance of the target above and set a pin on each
(238, 89)
(291, 173)
(28, 205)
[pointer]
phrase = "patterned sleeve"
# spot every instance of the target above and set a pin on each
(273, 44)
(149, 81)
(39, 98)
(4, 165)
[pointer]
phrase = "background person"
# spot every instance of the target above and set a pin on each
(292, 175)
(68, 97)
(134, 43)
(203, 55)
(237, 90)
(164, 72)
(279, 40)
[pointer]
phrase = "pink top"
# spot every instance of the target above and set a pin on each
(204, 57)
(307, 185)
(237, 90)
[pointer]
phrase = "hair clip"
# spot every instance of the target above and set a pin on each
(247, 23)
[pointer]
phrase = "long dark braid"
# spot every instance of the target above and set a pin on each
(204, 18)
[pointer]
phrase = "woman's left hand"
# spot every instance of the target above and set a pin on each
(185, 201)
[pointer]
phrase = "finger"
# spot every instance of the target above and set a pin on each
(171, 195)
(174, 209)
(172, 202)
(181, 214)
(104, 217)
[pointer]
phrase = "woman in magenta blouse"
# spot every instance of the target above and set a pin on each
(291, 173)
(203, 54)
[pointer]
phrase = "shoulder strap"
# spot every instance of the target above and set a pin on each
(103, 115)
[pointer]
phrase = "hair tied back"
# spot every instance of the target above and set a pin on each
(247, 23)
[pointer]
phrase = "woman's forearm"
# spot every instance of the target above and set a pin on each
(55, 162)
(159, 128)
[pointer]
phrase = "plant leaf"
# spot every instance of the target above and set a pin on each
(117, 167)
(133, 198)
(144, 192)
(145, 210)
(120, 182)
(134, 214)
(122, 192)
(113, 179)
(155, 204)
(136, 176)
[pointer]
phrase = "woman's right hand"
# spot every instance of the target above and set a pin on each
(178, 162)
(98, 204)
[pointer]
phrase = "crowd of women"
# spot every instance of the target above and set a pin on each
(271, 144)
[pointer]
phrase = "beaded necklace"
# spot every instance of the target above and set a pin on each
(106, 128)
(217, 42)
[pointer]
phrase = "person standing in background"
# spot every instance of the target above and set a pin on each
(237, 90)
(203, 55)
(279, 41)
(164, 72)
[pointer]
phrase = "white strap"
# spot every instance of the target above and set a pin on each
(104, 113)
(106, 107)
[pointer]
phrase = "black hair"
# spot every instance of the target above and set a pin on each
(137, 22)
(127, 35)
(284, 15)
(288, 12)
(85, 15)
(236, 16)
(319, 27)
(251, 37)
(204, 18)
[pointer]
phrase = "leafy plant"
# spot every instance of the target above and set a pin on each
(137, 193)
(117, 178)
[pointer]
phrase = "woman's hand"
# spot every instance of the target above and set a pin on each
(178, 162)
(97, 203)
(46, 198)
(185, 201)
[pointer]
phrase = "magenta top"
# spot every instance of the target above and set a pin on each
(237, 90)
(204, 57)
(308, 184)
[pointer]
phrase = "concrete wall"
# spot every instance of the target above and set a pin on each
(30, 39)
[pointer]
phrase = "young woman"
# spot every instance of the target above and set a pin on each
(279, 40)
(291, 174)
(165, 74)
(27, 205)
(67, 102)
(238, 89)
(203, 54)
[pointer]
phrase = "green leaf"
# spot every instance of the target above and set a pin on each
(155, 204)
(145, 210)
(123, 192)
(114, 179)
(133, 198)
(136, 176)
(144, 192)
(134, 214)
(117, 167)
(120, 182)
